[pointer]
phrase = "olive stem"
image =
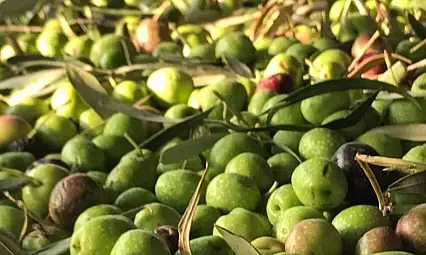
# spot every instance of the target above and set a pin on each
(25, 225)
(389, 66)
(133, 143)
(362, 8)
(418, 46)
(20, 174)
(17, 28)
(383, 206)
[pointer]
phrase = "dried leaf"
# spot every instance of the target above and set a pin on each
(185, 222)
(237, 66)
(237, 243)
(410, 132)
(8, 246)
(13, 183)
(162, 137)
(413, 183)
(57, 248)
(189, 148)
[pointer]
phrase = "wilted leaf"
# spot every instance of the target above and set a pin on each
(410, 132)
(15, 60)
(334, 86)
(165, 135)
(13, 183)
(398, 69)
(418, 28)
(237, 243)
(189, 148)
(185, 222)
(367, 65)
(237, 66)
(35, 81)
(413, 183)
(57, 248)
(13, 8)
(355, 116)
(200, 17)
(90, 89)
(8, 246)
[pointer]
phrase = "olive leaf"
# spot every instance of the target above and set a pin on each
(418, 28)
(57, 248)
(90, 89)
(268, 128)
(189, 148)
(237, 243)
(185, 223)
(355, 115)
(36, 80)
(237, 66)
(412, 183)
(8, 246)
(96, 96)
(410, 132)
(162, 137)
(334, 86)
(13, 183)
(12, 8)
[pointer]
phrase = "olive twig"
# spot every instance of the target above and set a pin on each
(419, 64)
(418, 46)
(368, 45)
(25, 225)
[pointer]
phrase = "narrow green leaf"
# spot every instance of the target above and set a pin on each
(355, 116)
(8, 246)
(237, 243)
(90, 89)
(334, 86)
(12, 9)
(13, 183)
(418, 28)
(162, 137)
(57, 248)
(413, 183)
(189, 148)
(36, 79)
(237, 66)
(410, 132)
